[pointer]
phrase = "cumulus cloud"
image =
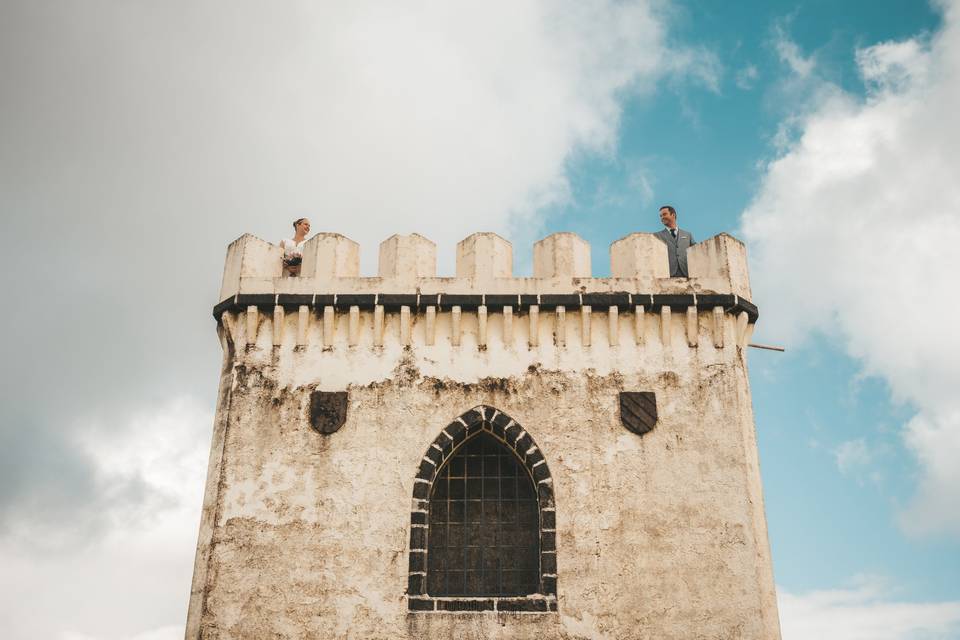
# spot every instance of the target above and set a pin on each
(864, 612)
(140, 138)
(854, 233)
(128, 476)
(894, 66)
(133, 581)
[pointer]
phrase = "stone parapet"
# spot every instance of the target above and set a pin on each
(328, 256)
(484, 265)
(641, 256)
(720, 262)
(561, 255)
(252, 259)
(482, 257)
(407, 258)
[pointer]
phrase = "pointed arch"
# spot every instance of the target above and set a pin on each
(496, 426)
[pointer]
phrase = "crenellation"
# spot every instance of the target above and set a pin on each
(407, 258)
(482, 257)
(329, 256)
(641, 256)
(484, 265)
(561, 255)
(249, 257)
(720, 264)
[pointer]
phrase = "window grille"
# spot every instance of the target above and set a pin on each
(483, 534)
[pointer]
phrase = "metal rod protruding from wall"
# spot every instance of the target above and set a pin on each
(766, 346)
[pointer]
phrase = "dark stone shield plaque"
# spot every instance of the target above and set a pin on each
(638, 410)
(328, 410)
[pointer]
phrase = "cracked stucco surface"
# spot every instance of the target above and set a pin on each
(660, 536)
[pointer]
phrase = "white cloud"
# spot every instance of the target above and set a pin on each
(864, 612)
(790, 54)
(861, 460)
(695, 65)
(852, 455)
(133, 583)
(162, 633)
(372, 117)
(936, 442)
(140, 138)
(854, 233)
(746, 77)
(894, 66)
(639, 182)
(165, 447)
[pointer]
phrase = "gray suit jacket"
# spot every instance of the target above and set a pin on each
(677, 251)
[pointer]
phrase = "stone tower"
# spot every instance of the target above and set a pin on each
(484, 456)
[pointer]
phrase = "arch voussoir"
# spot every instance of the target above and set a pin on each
(482, 418)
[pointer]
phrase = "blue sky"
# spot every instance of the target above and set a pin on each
(140, 138)
(699, 148)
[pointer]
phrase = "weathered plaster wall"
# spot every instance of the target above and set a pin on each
(660, 536)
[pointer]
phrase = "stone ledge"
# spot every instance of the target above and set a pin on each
(536, 603)
(599, 302)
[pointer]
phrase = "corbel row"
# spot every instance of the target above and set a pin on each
(328, 316)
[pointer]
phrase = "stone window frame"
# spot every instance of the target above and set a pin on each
(505, 429)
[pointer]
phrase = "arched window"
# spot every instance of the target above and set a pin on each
(484, 533)
(483, 524)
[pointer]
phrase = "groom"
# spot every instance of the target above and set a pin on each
(677, 241)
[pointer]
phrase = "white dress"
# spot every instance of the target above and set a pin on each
(291, 249)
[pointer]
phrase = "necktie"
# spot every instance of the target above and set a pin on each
(673, 232)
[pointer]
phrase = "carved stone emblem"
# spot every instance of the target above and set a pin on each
(328, 410)
(638, 410)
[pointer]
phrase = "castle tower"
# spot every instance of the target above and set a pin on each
(484, 456)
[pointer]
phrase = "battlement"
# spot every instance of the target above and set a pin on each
(484, 265)
(408, 304)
